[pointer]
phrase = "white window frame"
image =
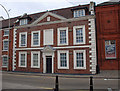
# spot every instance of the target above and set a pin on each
(48, 18)
(51, 35)
(67, 55)
(84, 57)
(20, 39)
(20, 59)
(38, 38)
(35, 52)
(74, 34)
(23, 20)
(3, 45)
(58, 34)
(2, 60)
(4, 32)
(76, 13)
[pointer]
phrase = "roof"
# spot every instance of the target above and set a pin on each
(64, 12)
(111, 2)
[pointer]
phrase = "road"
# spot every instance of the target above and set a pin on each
(17, 81)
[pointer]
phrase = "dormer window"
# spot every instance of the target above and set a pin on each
(79, 13)
(23, 21)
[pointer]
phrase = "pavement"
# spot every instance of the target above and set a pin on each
(14, 81)
(103, 74)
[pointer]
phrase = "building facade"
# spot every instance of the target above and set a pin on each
(108, 35)
(57, 41)
(1, 18)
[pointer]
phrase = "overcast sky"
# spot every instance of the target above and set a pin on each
(20, 7)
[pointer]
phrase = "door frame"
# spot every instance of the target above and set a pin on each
(44, 61)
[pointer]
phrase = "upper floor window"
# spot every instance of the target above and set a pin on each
(23, 39)
(63, 36)
(35, 38)
(5, 45)
(78, 13)
(6, 32)
(48, 37)
(23, 21)
(79, 34)
(110, 49)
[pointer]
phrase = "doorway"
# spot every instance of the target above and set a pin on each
(48, 64)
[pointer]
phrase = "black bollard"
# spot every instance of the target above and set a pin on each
(56, 84)
(91, 83)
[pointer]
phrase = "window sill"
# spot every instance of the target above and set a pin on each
(80, 68)
(35, 45)
(5, 35)
(22, 66)
(66, 68)
(35, 67)
(79, 43)
(4, 50)
(4, 66)
(62, 44)
(22, 46)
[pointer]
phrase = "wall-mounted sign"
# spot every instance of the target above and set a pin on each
(110, 49)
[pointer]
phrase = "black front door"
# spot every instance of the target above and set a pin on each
(48, 64)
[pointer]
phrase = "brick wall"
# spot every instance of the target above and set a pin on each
(70, 43)
(108, 28)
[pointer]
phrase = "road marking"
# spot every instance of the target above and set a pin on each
(45, 88)
(28, 75)
(110, 79)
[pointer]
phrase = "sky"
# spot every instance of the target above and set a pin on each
(19, 7)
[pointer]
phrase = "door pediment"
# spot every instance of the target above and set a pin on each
(48, 49)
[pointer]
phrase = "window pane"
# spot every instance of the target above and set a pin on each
(35, 59)
(4, 61)
(22, 60)
(79, 60)
(23, 21)
(63, 60)
(62, 36)
(79, 35)
(78, 13)
(35, 38)
(23, 39)
(5, 45)
(6, 32)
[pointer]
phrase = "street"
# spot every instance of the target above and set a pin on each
(17, 81)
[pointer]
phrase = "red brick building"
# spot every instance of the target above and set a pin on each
(108, 35)
(1, 18)
(57, 41)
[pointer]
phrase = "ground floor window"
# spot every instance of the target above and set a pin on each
(110, 49)
(5, 61)
(79, 59)
(22, 59)
(63, 59)
(35, 59)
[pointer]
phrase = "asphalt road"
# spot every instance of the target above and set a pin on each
(16, 81)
